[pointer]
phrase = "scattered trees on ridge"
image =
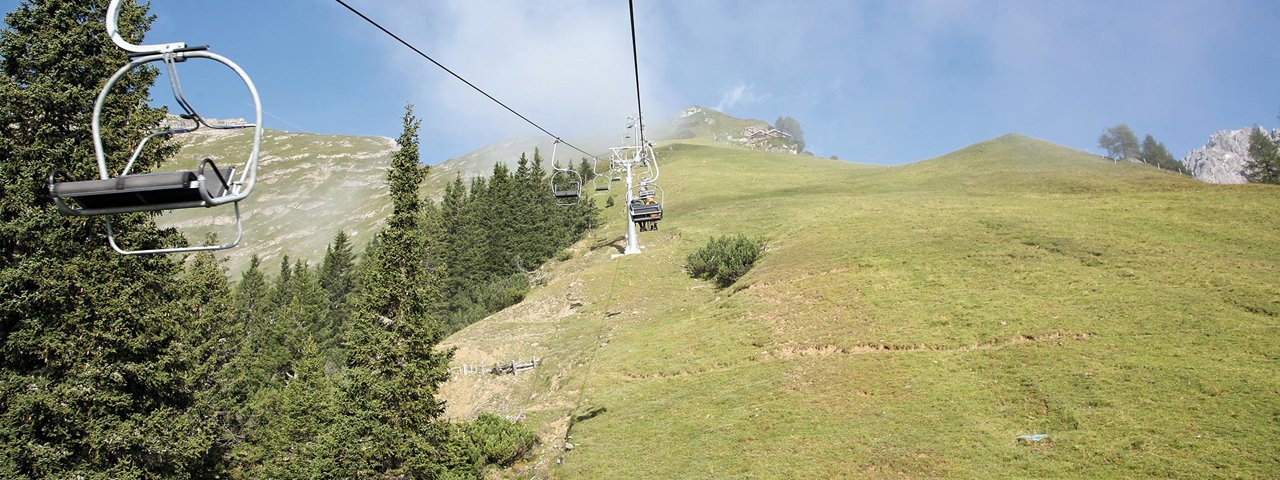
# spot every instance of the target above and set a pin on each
(1122, 144)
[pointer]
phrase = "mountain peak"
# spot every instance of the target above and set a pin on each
(702, 122)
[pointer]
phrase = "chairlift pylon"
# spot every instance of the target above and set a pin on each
(207, 185)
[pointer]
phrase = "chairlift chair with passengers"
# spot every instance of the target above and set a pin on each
(207, 185)
(646, 208)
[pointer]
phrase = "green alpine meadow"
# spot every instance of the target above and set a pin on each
(908, 321)
(483, 278)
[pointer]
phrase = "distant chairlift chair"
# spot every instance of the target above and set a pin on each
(566, 183)
(207, 185)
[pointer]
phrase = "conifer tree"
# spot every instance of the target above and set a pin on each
(1155, 153)
(389, 425)
(292, 437)
(93, 379)
(336, 280)
(281, 292)
(1264, 158)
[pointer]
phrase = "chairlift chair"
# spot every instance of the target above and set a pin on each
(207, 185)
(646, 208)
(567, 192)
(600, 181)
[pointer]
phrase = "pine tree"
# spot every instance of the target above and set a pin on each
(389, 426)
(1155, 153)
(292, 437)
(281, 293)
(1263, 165)
(93, 379)
(336, 279)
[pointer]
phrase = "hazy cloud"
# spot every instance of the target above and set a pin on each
(566, 65)
(740, 94)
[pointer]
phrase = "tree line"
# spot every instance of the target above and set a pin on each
(155, 366)
(1121, 143)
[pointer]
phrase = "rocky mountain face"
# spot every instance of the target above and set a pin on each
(1222, 160)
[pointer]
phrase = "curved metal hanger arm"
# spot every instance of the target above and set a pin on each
(113, 29)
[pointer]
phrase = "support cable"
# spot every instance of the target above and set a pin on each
(459, 77)
(635, 60)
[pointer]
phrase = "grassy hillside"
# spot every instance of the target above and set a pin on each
(908, 322)
(309, 186)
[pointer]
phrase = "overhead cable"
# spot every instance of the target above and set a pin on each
(459, 77)
(635, 60)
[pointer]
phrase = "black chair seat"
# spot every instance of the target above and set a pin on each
(149, 189)
(641, 212)
(567, 193)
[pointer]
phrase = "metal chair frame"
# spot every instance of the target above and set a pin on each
(232, 190)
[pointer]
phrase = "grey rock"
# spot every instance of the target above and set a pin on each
(1222, 160)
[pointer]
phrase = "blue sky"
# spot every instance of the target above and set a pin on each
(881, 82)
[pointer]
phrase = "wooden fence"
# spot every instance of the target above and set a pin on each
(511, 368)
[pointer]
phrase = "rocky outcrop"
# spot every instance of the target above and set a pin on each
(1222, 160)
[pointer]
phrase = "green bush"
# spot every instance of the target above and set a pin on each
(724, 259)
(499, 441)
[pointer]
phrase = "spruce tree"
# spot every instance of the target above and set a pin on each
(336, 279)
(1263, 165)
(389, 426)
(292, 435)
(94, 375)
(1154, 153)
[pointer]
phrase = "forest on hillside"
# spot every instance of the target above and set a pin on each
(161, 366)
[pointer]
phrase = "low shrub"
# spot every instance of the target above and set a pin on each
(499, 441)
(724, 259)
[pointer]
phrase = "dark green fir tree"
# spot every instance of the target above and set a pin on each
(94, 379)
(390, 426)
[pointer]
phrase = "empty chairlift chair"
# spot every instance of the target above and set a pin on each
(566, 183)
(206, 185)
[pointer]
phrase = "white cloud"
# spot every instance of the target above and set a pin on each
(566, 65)
(741, 94)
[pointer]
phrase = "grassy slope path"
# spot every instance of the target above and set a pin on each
(909, 321)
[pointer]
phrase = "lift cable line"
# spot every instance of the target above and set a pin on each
(635, 60)
(459, 77)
